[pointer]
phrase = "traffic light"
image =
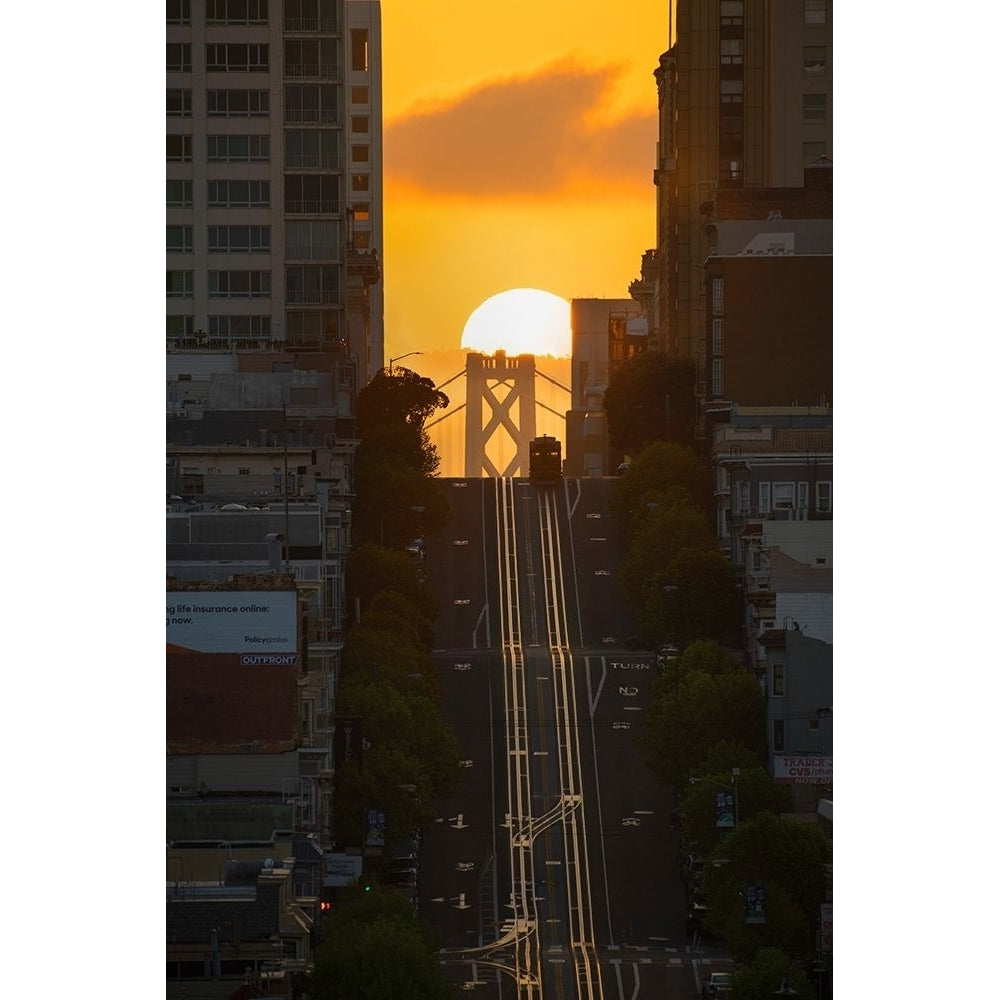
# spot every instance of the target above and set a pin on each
(368, 887)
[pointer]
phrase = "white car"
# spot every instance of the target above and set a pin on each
(718, 984)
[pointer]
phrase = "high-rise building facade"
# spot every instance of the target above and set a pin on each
(745, 100)
(274, 175)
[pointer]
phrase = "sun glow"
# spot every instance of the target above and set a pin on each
(520, 321)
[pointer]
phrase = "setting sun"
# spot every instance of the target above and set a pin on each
(520, 321)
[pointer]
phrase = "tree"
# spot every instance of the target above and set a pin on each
(372, 570)
(374, 948)
(411, 758)
(789, 860)
(692, 712)
(392, 611)
(659, 539)
(664, 473)
(757, 793)
(395, 461)
(770, 968)
(693, 595)
(651, 397)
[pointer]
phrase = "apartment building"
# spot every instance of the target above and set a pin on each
(745, 100)
(605, 333)
(274, 176)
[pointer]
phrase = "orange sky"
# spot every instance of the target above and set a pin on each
(520, 141)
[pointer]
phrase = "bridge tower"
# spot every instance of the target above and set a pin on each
(500, 413)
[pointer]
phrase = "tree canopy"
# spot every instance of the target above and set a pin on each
(789, 860)
(695, 594)
(374, 948)
(651, 397)
(372, 570)
(692, 712)
(662, 474)
(395, 461)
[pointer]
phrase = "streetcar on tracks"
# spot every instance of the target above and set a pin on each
(545, 461)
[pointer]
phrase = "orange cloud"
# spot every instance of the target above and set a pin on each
(529, 136)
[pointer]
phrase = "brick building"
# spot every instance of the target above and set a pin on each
(769, 281)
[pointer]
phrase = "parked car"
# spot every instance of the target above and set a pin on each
(718, 984)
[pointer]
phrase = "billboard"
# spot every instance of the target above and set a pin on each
(250, 622)
(809, 770)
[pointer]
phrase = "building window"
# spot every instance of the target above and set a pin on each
(717, 336)
(315, 149)
(179, 327)
(730, 170)
(178, 149)
(359, 50)
(238, 103)
(310, 240)
(743, 497)
(717, 377)
(178, 103)
(802, 499)
(311, 284)
(239, 327)
(362, 212)
(316, 326)
(359, 124)
(731, 12)
(814, 59)
(239, 148)
(718, 285)
(311, 15)
(180, 284)
(178, 57)
(306, 57)
(311, 103)
(731, 133)
(783, 497)
(236, 58)
(180, 194)
(310, 193)
(362, 240)
(814, 725)
(359, 182)
(180, 239)
(239, 239)
(178, 11)
(239, 194)
(764, 498)
(359, 95)
(731, 91)
(359, 154)
(812, 151)
(814, 107)
(824, 496)
(731, 51)
(814, 11)
(236, 12)
(239, 284)
(778, 729)
(244, 472)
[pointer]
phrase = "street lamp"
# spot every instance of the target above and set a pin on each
(400, 358)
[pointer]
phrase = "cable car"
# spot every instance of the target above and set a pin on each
(545, 461)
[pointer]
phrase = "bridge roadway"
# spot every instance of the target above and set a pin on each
(554, 872)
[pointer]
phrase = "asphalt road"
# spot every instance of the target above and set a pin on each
(531, 645)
